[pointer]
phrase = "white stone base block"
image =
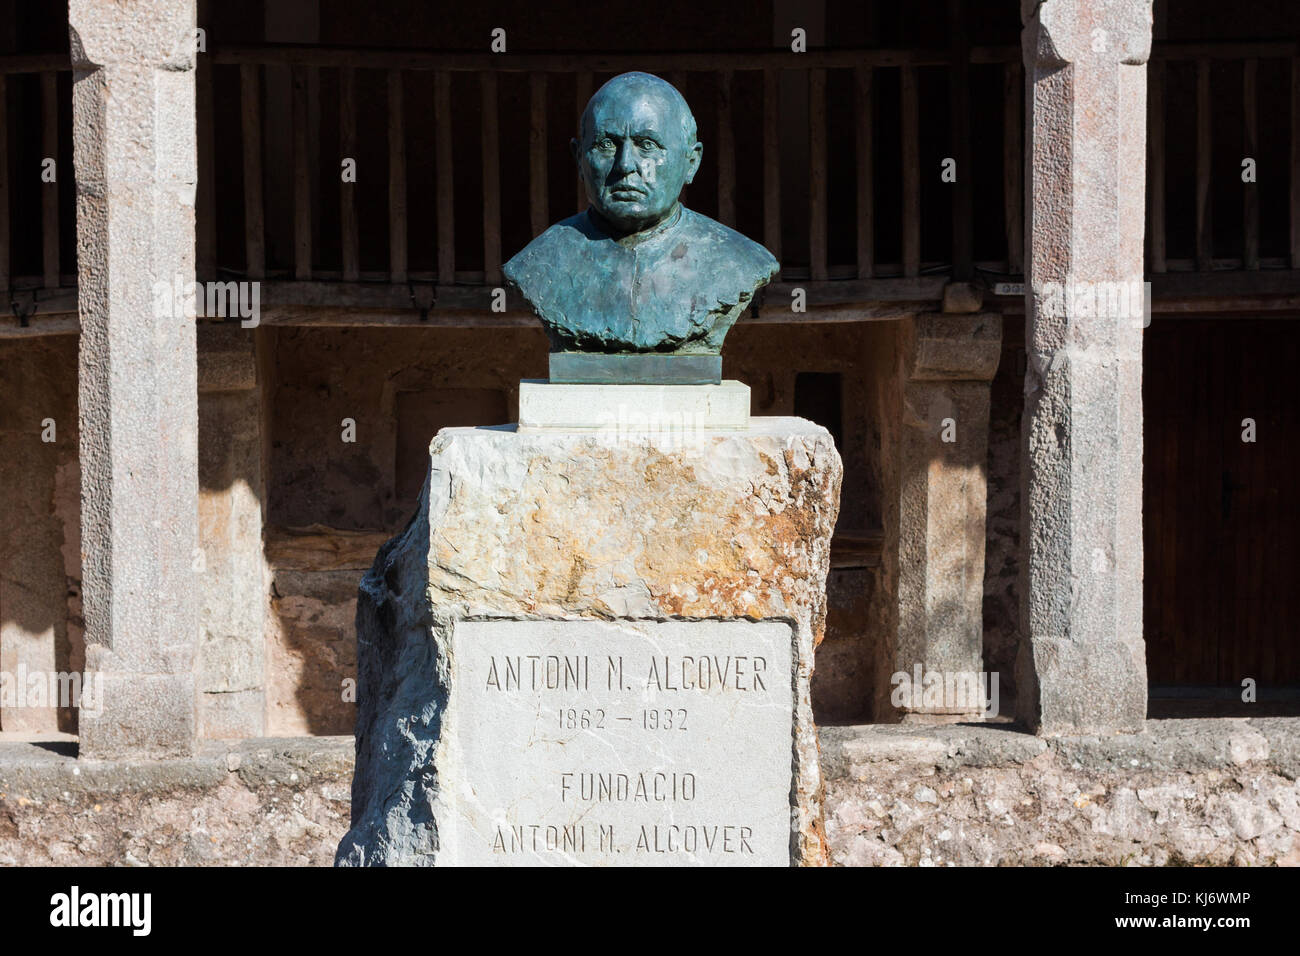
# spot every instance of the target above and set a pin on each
(596, 649)
(633, 409)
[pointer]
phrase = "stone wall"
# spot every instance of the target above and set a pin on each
(1183, 792)
(1216, 792)
(261, 802)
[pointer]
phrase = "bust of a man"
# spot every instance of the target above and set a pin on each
(638, 272)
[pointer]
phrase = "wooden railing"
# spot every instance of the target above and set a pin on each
(547, 142)
(882, 113)
(1247, 59)
(15, 71)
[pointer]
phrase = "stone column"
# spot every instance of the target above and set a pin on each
(232, 653)
(1082, 664)
(948, 362)
(135, 162)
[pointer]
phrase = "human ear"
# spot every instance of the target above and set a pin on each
(575, 148)
(696, 152)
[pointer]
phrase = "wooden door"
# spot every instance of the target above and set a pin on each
(1221, 514)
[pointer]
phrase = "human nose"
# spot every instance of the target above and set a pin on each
(625, 161)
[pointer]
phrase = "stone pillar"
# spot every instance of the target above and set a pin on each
(1082, 664)
(232, 652)
(948, 362)
(135, 163)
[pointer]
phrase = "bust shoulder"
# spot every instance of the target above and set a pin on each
(723, 246)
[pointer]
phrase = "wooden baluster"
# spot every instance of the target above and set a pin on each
(50, 190)
(446, 193)
(1013, 187)
(862, 77)
(1204, 145)
(250, 94)
(301, 176)
(817, 174)
(397, 237)
(1156, 167)
(538, 211)
(772, 161)
(911, 175)
(347, 191)
(1250, 204)
(491, 181)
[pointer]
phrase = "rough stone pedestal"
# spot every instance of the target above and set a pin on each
(663, 538)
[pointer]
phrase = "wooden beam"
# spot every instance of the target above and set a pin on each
(1250, 199)
(50, 190)
(911, 175)
(538, 186)
(491, 181)
(1156, 257)
(817, 174)
(404, 58)
(772, 161)
(1204, 146)
(65, 323)
(726, 153)
(446, 191)
(250, 97)
(301, 176)
(665, 64)
(397, 235)
(347, 191)
(862, 76)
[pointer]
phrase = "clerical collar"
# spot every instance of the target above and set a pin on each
(636, 238)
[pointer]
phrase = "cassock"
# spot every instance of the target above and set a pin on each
(675, 288)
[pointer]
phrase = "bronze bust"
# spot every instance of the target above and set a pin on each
(638, 278)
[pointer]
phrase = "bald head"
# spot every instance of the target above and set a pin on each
(638, 147)
(632, 86)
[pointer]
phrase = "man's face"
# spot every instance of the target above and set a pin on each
(634, 158)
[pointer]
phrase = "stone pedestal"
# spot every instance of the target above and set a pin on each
(530, 645)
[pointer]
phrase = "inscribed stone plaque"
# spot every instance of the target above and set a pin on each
(628, 743)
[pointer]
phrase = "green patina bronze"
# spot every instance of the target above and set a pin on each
(638, 273)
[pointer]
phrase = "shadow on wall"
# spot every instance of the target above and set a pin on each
(40, 549)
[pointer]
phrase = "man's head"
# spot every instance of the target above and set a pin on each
(636, 149)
